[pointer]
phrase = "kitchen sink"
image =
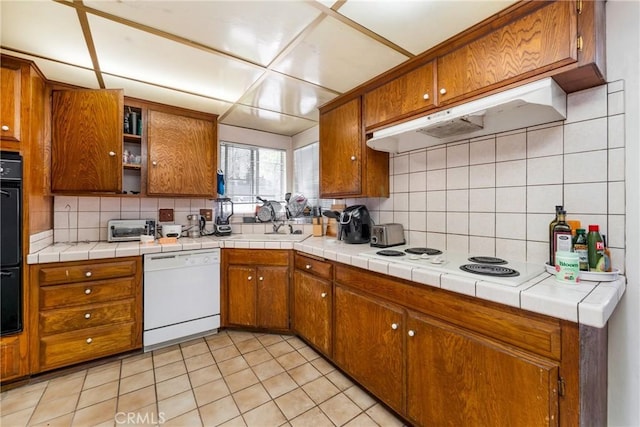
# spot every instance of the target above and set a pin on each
(269, 237)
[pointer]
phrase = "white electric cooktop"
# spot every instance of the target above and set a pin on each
(482, 267)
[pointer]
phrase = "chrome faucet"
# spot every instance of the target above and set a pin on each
(276, 226)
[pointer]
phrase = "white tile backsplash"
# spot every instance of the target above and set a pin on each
(543, 198)
(616, 103)
(457, 178)
(587, 104)
(401, 183)
(458, 200)
(615, 137)
(586, 198)
(89, 204)
(616, 164)
(401, 164)
(436, 201)
(418, 161)
(418, 181)
(109, 204)
(482, 176)
(436, 179)
(590, 166)
(483, 151)
(511, 146)
(511, 173)
(482, 200)
(511, 226)
(544, 170)
(437, 158)
(544, 142)
(457, 155)
(458, 223)
(585, 136)
(511, 199)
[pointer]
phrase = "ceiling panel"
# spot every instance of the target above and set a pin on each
(166, 96)
(267, 121)
(338, 57)
(132, 53)
(253, 30)
(282, 93)
(419, 25)
(44, 28)
(63, 73)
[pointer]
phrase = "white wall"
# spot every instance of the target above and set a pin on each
(623, 62)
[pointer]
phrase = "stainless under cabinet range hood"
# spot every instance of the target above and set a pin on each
(542, 101)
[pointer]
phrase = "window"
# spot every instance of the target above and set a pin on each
(252, 171)
(306, 174)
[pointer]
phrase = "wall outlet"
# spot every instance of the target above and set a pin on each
(165, 215)
(207, 214)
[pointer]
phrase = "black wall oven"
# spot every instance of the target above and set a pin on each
(10, 243)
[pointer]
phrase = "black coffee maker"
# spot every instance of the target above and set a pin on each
(355, 225)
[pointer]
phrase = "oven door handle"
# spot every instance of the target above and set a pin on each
(5, 193)
(6, 273)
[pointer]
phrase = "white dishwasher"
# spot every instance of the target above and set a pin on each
(181, 296)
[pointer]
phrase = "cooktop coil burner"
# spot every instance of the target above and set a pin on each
(423, 251)
(487, 260)
(390, 252)
(489, 270)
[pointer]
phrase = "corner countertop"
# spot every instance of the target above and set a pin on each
(587, 303)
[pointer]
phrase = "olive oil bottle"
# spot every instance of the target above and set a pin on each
(562, 239)
(551, 243)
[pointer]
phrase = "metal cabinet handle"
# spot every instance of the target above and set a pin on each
(87, 315)
(89, 340)
(323, 295)
(411, 333)
(87, 274)
(425, 96)
(154, 163)
(5, 128)
(443, 91)
(250, 277)
(308, 266)
(87, 291)
(261, 278)
(112, 153)
(353, 158)
(394, 326)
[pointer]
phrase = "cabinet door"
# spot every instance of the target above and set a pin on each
(406, 94)
(241, 295)
(273, 297)
(181, 155)
(312, 310)
(368, 344)
(341, 136)
(86, 141)
(10, 93)
(458, 378)
(11, 364)
(545, 38)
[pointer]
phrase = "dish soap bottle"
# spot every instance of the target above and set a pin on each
(562, 239)
(551, 243)
(581, 248)
(596, 249)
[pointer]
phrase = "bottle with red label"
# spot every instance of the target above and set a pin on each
(595, 249)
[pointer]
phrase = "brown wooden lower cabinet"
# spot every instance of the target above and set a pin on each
(455, 377)
(256, 288)
(368, 344)
(84, 310)
(312, 310)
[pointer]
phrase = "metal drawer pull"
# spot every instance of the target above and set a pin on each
(411, 333)
(323, 295)
(87, 315)
(112, 153)
(308, 266)
(443, 91)
(5, 127)
(87, 291)
(89, 340)
(249, 278)
(353, 158)
(425, 96)
(394, 326)
(88, 274)
(261, 278)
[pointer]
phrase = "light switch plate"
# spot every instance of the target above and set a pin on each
(165, 215)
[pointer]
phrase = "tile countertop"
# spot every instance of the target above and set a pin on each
(588, 303)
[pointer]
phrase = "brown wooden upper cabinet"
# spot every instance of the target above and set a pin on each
(10, 91)
(544, 39)
(181, 155)
(86, 141)
(409, 93)
(348, 168)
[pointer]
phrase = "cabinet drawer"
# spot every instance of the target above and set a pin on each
(254, 257)
(89, 316)
(78, 346)
(314, 266)
(72, 273)
(86, 293)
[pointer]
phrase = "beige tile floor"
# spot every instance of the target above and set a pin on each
(228, 379)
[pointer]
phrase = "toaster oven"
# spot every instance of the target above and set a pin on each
(127, 230)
